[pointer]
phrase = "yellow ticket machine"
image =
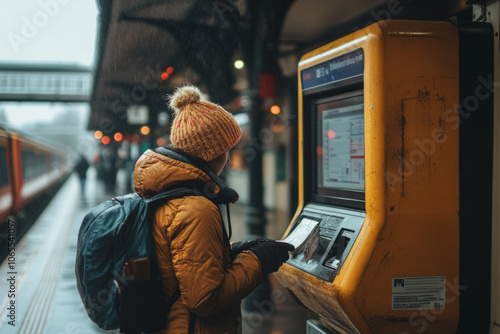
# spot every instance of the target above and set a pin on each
(377, 226)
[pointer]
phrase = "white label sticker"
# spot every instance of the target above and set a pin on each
(418, 293)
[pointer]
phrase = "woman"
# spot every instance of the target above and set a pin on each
(192, 246)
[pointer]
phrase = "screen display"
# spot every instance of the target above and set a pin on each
(340, 147)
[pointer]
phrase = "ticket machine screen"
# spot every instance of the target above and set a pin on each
(340, 150)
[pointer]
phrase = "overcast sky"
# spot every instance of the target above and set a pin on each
(46, 31)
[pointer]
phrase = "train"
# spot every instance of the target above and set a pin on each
(29, 168)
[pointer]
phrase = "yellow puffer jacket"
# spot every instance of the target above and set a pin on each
(193, 253)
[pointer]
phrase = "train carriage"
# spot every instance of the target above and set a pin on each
(6, 186)
(28, 169)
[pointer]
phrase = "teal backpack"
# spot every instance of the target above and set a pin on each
(111, 234)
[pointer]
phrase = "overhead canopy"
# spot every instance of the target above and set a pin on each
(140, 40)
(199, 41)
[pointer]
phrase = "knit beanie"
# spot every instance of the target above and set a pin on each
(201, 128)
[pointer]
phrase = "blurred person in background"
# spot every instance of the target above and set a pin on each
(81, 169)
(109, 168)
(127, 165)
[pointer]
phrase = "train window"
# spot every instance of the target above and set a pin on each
(56, 161)
(34, 164)
(4, 176)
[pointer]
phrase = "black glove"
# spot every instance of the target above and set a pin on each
(240, 246)
(272, 254)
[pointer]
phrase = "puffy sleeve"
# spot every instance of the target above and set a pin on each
(208, 286)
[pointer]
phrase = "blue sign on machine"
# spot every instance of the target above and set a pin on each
(340, 68)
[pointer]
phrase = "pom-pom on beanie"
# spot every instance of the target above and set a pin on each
(201, 128)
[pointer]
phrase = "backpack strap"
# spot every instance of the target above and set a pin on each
(174, 297)
(174, 192)
(192, 323)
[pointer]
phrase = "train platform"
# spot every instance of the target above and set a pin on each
(38, 293)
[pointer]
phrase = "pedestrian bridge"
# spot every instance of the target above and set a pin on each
(47, 83)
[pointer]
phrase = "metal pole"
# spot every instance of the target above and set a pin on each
(255, 216)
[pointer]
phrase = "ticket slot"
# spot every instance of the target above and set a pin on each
(323, 240)
(337, 252)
